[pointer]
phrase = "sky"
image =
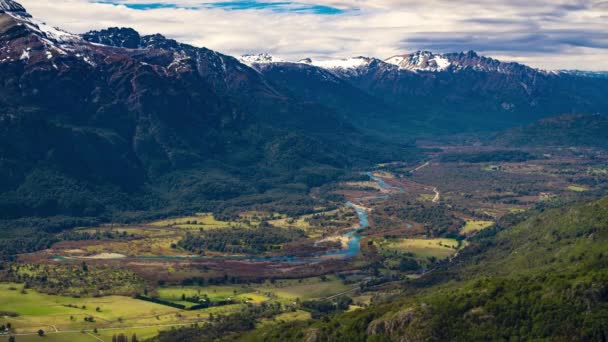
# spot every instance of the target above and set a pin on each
(547, 34)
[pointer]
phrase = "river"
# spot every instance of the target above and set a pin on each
(352, 249)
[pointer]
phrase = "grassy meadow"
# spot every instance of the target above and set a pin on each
(423, 248)
(51, 312)
(472, 226)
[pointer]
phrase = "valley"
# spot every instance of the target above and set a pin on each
(154, 190)
(400, 221)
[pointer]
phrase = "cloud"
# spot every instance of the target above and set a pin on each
(551, 34)
(275, 6)
(555, 41)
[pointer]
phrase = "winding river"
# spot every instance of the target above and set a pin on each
(352, 249)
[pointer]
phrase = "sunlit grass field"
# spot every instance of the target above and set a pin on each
(577, 188)
(50, 312)
(285, 291)
(304, 289)
(475, 226)
(214, 293)
(424, 248)
(199, 221)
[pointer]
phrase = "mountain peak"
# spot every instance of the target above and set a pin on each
(11, 6)
(115, 36)
(262, 58)
(420, 61)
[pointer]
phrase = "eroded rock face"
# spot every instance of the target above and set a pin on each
(397, 326)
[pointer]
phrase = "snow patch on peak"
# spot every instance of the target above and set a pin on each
(54, 33)
(442, 63)
(395, 60)
(420, 61)
(262, 58)
(349, 63)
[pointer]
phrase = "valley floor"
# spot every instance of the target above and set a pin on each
(405, 221)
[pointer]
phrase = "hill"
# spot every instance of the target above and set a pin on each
(567, 131)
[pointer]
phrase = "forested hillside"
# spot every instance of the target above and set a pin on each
(542, 279)
(567, 131)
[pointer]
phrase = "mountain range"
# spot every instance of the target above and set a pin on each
(111, 121)
(452, 92)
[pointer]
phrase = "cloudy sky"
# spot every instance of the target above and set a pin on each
(549, 34)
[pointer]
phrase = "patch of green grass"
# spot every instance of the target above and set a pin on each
(214, 293)
(298, 315)
(47, 312)
(475, 226)
(199, 221)
(424, 248)
(304, 289)
(577, 188)
(55, 337)
(285, 291)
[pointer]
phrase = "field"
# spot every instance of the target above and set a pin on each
(472, 226)
(199, 221)
(213, 293)
(576, 188)
(59, 313)
(283, 291)
(89, 336)
(423, 248)
(303, 289)
(63, 318)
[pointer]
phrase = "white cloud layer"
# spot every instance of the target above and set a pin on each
(549, 34)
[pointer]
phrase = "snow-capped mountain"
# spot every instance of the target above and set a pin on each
(262, 58)
(426, 61)
(345, 67)
(337, 66)
(464, 82)
(33, 40)
(420, 61)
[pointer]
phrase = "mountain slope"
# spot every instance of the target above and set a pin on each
(566, 131)
(313, 84)
(113, 122)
